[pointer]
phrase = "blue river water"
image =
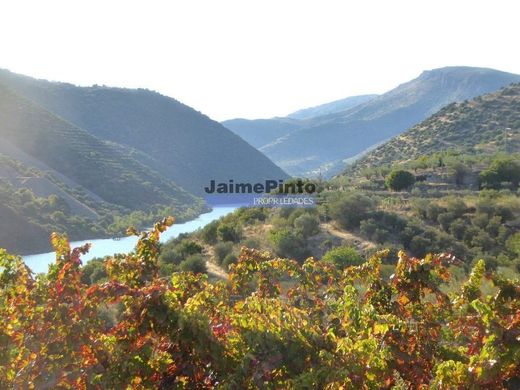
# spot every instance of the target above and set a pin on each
(108, 246)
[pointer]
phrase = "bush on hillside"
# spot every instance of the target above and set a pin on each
(399, 180)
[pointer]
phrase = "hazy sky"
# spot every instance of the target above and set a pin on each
(254, 59)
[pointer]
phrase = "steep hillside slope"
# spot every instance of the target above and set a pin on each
(326, 141)
(85, 159)
(179, 142)
(487, 124)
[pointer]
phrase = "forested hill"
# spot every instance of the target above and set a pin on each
(171, 138)
(485, 125)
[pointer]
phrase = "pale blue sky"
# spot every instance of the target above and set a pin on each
(240, 58)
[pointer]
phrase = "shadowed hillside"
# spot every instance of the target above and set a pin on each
(177, 141)
(87, 160)
(55, 176)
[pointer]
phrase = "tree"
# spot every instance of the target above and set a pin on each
(93, 271)
(504, 169)
(513, 244)
(432, 211)
(490, 179)
(458, 228)
(399, 180)
(445, 220)
(421, 245)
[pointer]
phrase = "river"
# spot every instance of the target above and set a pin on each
(108, 246)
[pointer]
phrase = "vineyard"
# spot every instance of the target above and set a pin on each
(274, 324)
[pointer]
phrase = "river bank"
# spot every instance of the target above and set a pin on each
(109, 246)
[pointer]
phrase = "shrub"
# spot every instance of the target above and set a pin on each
(493, 226)
(513, 244)
(227, 232)
(367, 227)
(228, 260)
(482, 240)
(458, 171)
(380, 235)
(343, 256)
(445, 220)
(221, 250)
(432, 211)
(187, 248)
(249, 215)
(166, 269)
(408, 233)
(458, 228)
(358, 329)
(456, 206)
(480, 220)
(501, 170)
(251, 243)
(209, 232)
(351, 209)
(420, 245)
(170, 256)
(419, 207)
(307, 225)
(400, 180)
(287, 244)
(195, 263)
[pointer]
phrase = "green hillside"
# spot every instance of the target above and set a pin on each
(485, 125)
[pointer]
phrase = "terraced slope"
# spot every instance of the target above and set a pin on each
(85, 159)
(487, 124)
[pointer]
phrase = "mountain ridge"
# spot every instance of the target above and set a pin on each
(331, 107)
(324, 143)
